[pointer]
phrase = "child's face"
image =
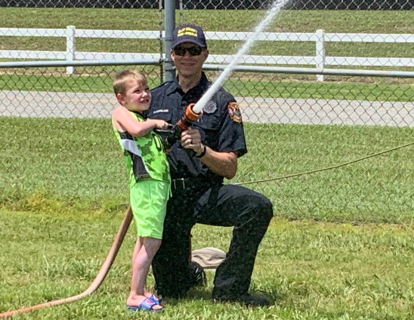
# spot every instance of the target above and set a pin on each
(137, 96)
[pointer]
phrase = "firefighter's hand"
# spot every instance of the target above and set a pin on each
(191, 139)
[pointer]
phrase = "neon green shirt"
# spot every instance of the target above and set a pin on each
(144, 156)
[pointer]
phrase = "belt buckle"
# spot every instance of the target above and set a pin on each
(182, 183)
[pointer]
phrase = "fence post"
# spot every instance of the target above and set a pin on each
(70, 47)
(320, 52)
(169, 22)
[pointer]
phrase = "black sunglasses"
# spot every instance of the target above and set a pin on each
(193, 51)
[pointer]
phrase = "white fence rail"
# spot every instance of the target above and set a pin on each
(320, 38)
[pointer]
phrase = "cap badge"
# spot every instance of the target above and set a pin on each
(187, 32)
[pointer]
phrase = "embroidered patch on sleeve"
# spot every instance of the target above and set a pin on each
(234, 112)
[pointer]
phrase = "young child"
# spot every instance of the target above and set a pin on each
(149, 178)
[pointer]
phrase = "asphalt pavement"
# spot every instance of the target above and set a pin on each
(255, 110)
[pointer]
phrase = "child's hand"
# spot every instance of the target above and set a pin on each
(159, 124)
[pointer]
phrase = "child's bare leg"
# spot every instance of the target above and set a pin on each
(134, 256)
(144, 251)
(137, 247)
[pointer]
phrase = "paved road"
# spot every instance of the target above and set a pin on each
(256, 110)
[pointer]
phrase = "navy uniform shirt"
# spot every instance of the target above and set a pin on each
(220, 126)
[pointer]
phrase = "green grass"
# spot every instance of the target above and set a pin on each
(382, 90)
(327, 254)
(76, 83)
(211, 20)
(309, 270)
(373, 190)
(76, 164)
(220, 20)
(241, 84)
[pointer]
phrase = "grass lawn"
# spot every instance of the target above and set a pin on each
(53, 164)
(300, 21)
(98, 79)
(309, 270)
(279, 87)
(340, 245)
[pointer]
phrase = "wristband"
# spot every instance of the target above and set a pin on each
(203, 153)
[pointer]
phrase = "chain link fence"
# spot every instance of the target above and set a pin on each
(218, 4)
(326, 97)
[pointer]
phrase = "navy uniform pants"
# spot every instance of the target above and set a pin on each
(223, 205)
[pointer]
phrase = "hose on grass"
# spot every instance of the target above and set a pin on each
(99, 277)
(127, 221)
(327, 168)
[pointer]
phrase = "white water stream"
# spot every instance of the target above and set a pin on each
(275, 9)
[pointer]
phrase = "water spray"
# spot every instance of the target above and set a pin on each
(276, 7)
(192, 113)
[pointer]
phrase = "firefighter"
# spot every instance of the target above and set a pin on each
(216, 141)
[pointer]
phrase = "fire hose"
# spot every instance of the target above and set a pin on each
(99, 278)
(169, 137)
(173, 133)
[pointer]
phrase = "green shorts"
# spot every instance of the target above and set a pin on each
(148, 200)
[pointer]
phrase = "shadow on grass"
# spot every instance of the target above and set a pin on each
(203, 293)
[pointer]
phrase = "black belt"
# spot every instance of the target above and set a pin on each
(189, 183)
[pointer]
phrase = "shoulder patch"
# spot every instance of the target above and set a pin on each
(234, 112)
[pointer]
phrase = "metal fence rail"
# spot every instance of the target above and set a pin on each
(319, 38)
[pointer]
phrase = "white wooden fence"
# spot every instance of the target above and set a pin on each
(320, 60)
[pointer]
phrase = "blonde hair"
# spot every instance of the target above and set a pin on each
(122, 77)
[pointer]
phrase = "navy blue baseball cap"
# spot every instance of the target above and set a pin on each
(189, 33)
